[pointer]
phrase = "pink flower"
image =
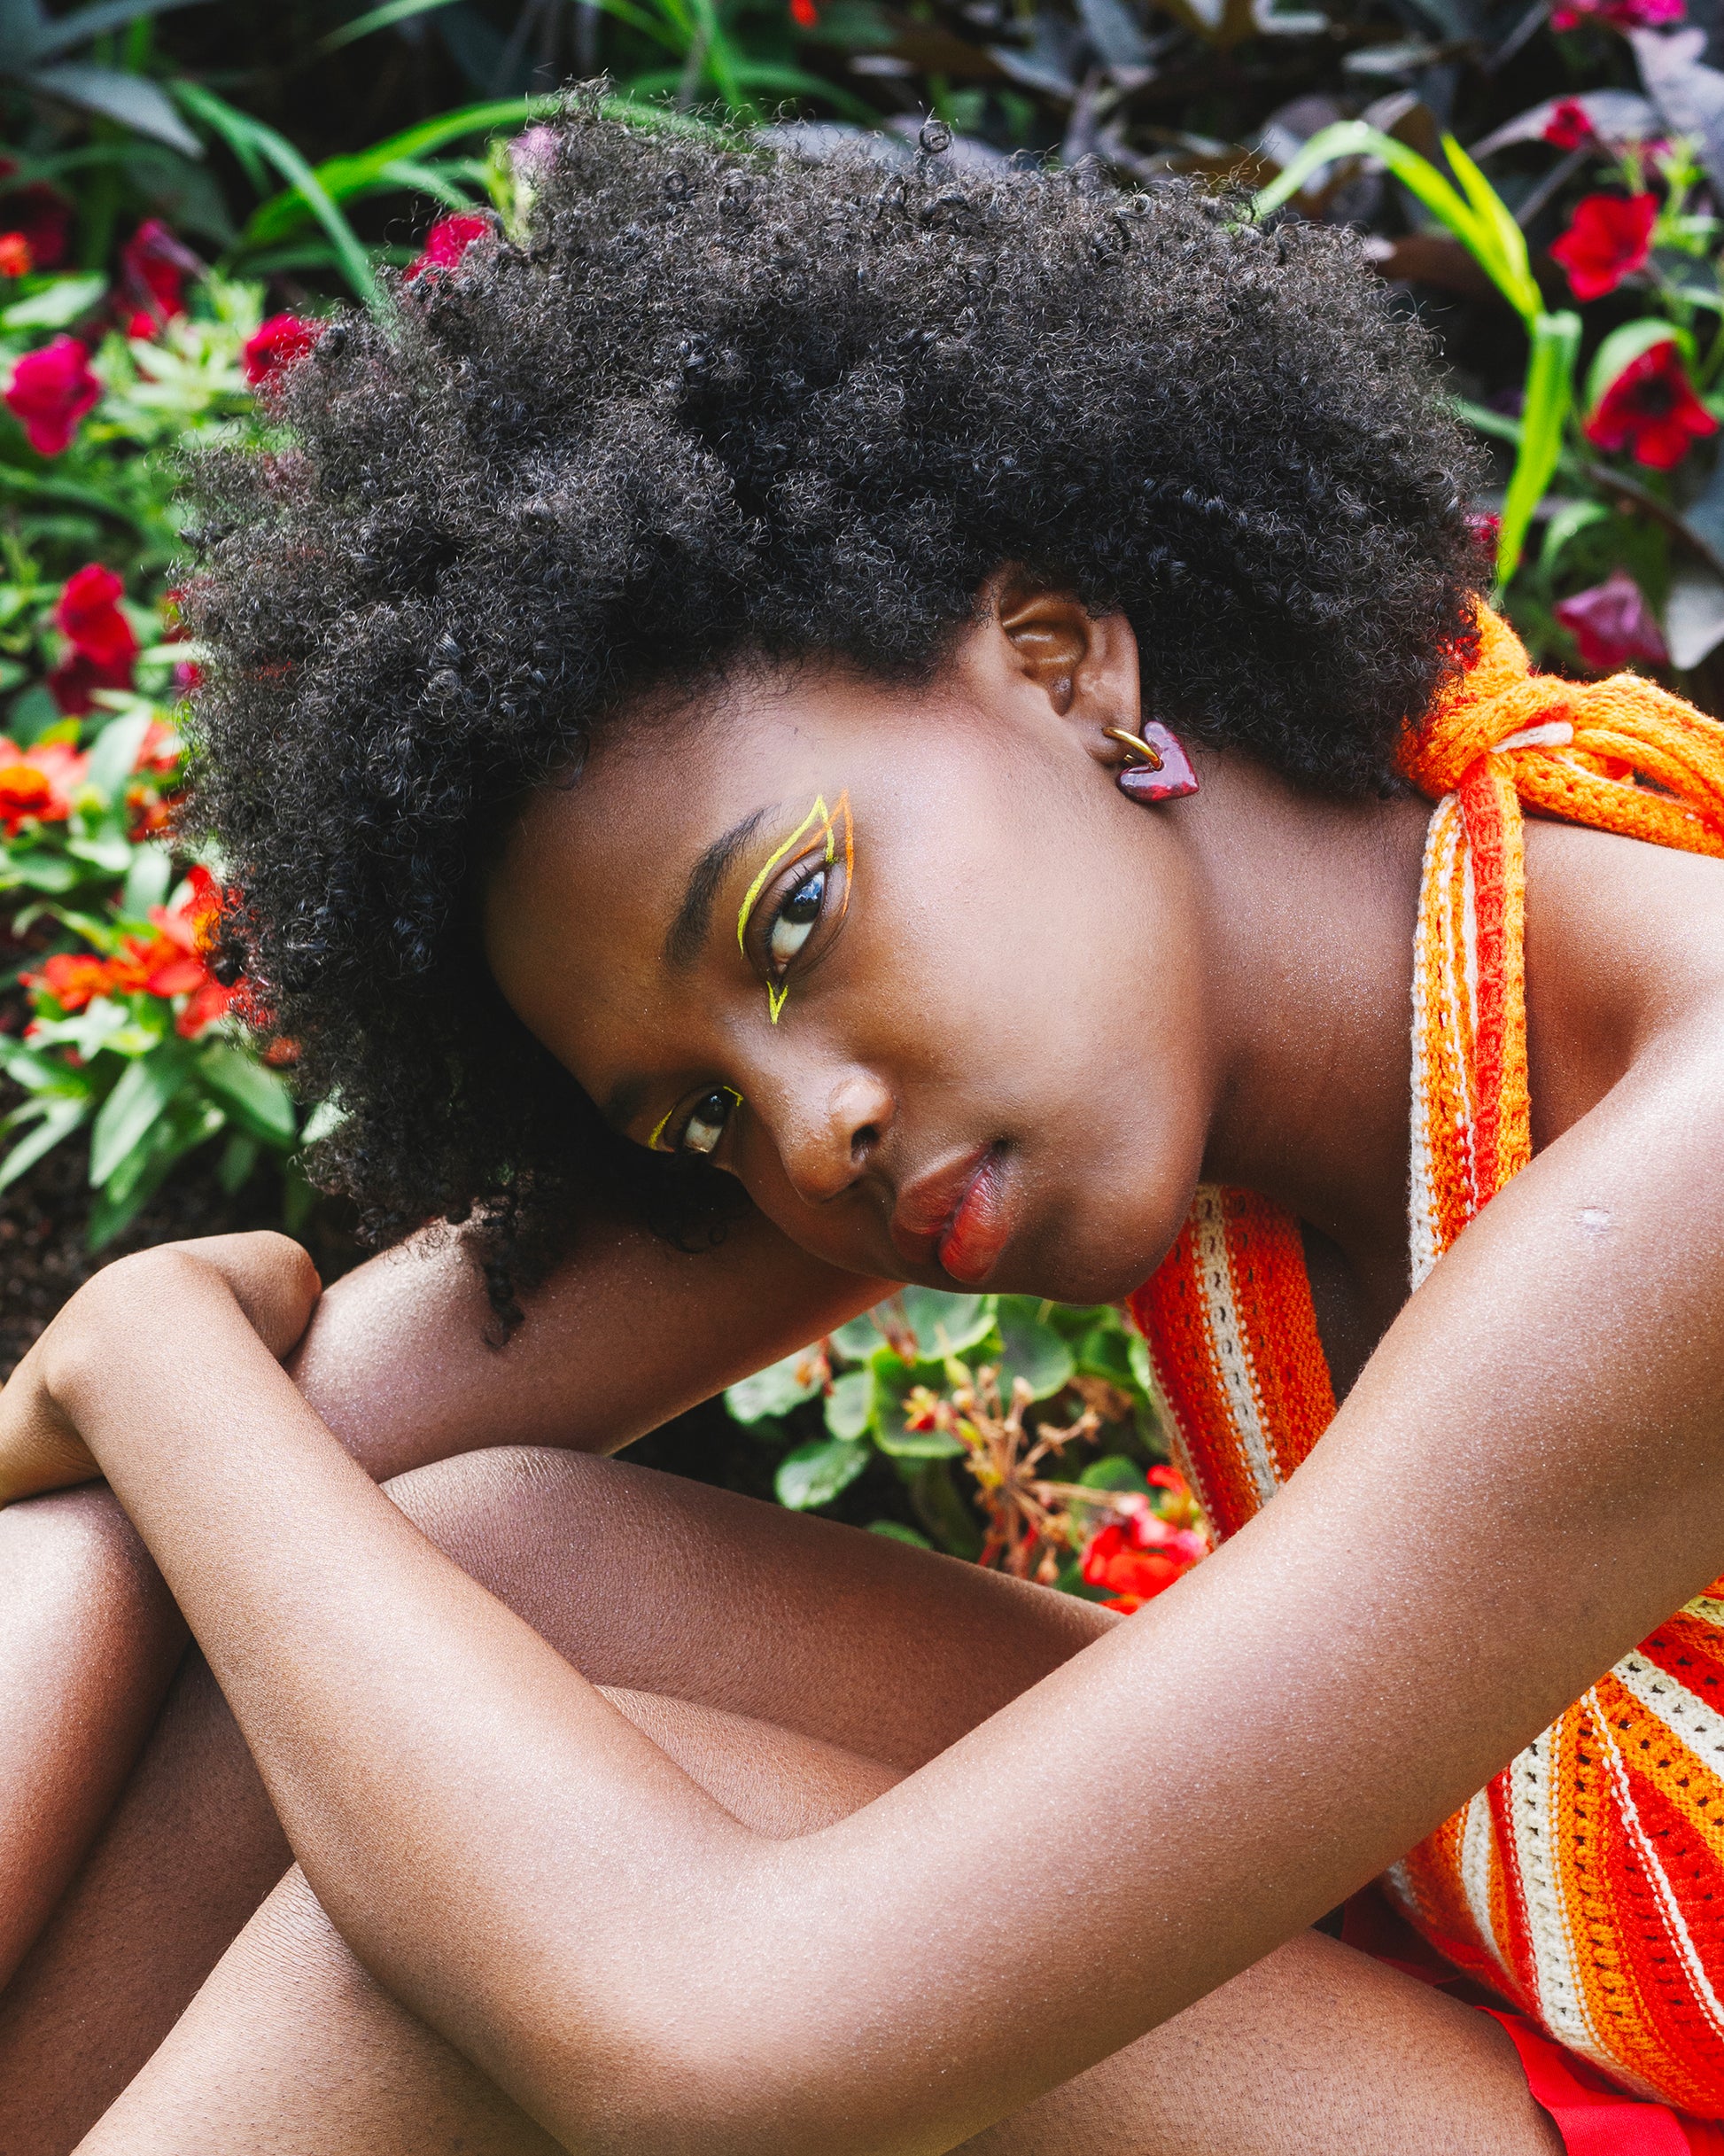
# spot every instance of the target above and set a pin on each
(275, 346)
(1611, 624)
(103, 645)
(1612, 236)
(154, 268)
(1650, 410)
(49, 393)
(1620, 15)
(447, 241)
(1568, 126)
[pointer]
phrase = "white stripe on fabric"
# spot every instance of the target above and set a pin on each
(1477, 1838)
(1227, 1343)
(1463, 1062)
(1676, 1930)
(1424, 1250)
(1561, 2004)
(1683, 1713)
(1707, 1608)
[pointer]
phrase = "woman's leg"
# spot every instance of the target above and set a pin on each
(291, 2050)
(839, 1639)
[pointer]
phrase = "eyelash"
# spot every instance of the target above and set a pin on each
(732, 1101)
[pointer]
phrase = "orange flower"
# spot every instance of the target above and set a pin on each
(37, 785)
(74, 978)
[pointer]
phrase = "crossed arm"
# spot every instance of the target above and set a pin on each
(513, 1861)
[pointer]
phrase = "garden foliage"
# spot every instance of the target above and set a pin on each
(187, 187)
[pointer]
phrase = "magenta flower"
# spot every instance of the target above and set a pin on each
(1620, 15)
(1612, 623)
(275, 344)
(447, 241)
(49, 393)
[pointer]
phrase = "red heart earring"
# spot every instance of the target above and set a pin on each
(1162, 771)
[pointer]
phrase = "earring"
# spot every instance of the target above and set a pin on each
(1162, 771)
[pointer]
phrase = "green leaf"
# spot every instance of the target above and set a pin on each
(239, 1158)
(1033, 1350)
(111, 762)
(1622, 347)
(946, 1324)
(378, 18)
(815, 1473)
(893, 1378)
(849, 1404)
(83, 23)
(55, 304)
(1569, 522)
(147, 880)
(54, 1119)
(256, 1097)
(859, 1339)
(134, 101)
(894, 1531)
(234, 126)
(143, 1173)
(38, 869)
(1114, 1471)
(1105, 1351)
(1549, 395)
(776, 1390)
(145, 1091)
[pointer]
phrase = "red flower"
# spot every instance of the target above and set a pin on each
(49, 393)
(1651, 410)
(1612, 623)
(37, 785)
(160, 751)
(40, 216)
(1620, 15)
(15, 257)
(1610, 235)
(1568, 126)
(805, 14)
(88, 613)
(154, 268)
(103, 645)
(1142, 1554)
(275, 344)
(73, 978)
(447, 241)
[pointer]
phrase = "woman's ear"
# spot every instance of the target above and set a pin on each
(1086, 664)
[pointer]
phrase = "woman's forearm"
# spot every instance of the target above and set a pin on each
(89, 1640)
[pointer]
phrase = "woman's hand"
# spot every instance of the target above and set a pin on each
(269, 1277)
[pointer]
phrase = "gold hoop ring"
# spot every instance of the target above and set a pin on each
(1139, 747)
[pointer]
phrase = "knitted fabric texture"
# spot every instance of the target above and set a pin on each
(1586, 1883)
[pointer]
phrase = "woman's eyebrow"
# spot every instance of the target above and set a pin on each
(689, 932)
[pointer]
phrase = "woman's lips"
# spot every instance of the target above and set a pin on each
(955, 1216)
(980, 1229)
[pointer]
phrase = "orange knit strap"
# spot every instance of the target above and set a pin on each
(1592, 742)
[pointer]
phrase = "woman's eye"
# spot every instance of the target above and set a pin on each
(794, 922)
(706, 1121)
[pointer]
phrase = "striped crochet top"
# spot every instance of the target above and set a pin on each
(1586, 1883)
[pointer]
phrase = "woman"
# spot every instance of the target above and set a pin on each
(861, 722)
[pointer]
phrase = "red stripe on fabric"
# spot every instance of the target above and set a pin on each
(1481, 809)
(1519, 1942)
(1171, 1313)
(1593, 2121)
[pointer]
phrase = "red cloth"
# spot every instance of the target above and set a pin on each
(1594, 2118)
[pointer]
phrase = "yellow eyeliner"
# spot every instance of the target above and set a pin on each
(658, 1128)
(822, 816)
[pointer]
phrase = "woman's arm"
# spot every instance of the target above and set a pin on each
(627, 1333)
(520, 1866)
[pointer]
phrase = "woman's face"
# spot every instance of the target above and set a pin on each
(904, 961)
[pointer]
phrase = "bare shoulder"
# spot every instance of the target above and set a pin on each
(1625, 959)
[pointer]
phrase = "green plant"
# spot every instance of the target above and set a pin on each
(927, 1383)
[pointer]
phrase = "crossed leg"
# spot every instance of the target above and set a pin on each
(795, 1668)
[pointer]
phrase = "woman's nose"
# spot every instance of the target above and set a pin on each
(825, 1146)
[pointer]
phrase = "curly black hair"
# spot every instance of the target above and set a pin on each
(717, 400)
